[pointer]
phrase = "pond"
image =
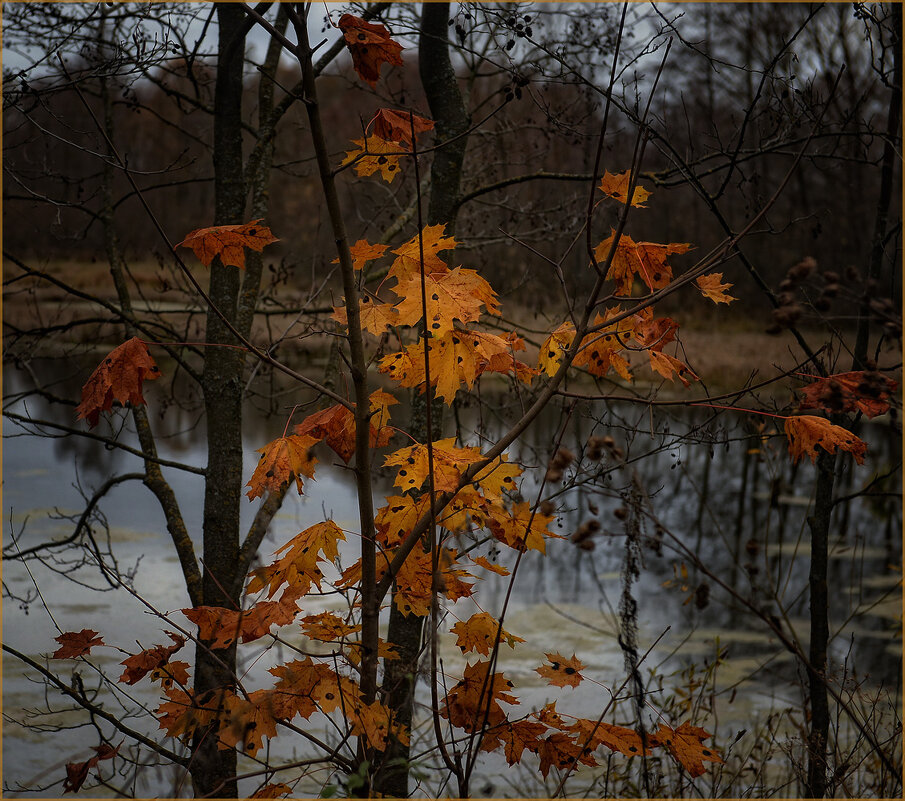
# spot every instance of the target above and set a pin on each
(714, 482)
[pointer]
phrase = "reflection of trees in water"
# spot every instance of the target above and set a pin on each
(728, 491)
(710, 476)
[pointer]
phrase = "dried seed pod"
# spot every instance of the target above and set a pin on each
(803, 269)
(786, 316)
(547, 508)
(553, 475)
(562, 458)
(785, 298)
(621, 513)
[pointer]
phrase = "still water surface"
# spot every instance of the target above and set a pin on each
(715, 482)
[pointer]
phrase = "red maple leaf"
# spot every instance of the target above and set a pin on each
(396, 126)
(76, 643)
(118, 377)
(370, 45)
(228, 242)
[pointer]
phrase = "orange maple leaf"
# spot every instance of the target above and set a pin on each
(173, 671)
(848, 392)
(373, 154)
(370, 45)
(487, 565)
(479, 633)
(76, 643)
(553, 347)
(616, 186)
(668, 366)
(449, 464)
(711, 287)
(371, 721)
(476, 696)
(327, 627)
(562, 672)
(515, 738)
(294, 692)
(282, 460)
(180, 716)
(221, 627)
(396, 126)
(228, 242)
(654, 334)
(561, 751)
(362, 252)
(374, 317)
(277, 790)
(408, 261)
(806, 433)
(139, 665)
(118, 377)
(451, 295)
(77, 772)
(395, 520)
(298, 567)
(595, 733)
(647, 260)
(457, 357)
(246, 722)
(686, 745)
(600, 350)
(336, 425)
(522, 530)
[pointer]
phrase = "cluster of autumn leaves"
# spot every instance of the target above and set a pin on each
(454, 299)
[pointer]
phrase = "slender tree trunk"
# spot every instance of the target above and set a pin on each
(819, 524)
(451, 119)
(891, 156)
(213, 769)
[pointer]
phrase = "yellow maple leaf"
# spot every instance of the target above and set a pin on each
(408, 262)
(282, 460)
(373, 154)
(455, 294)
(616, 186)
(479, 633)
(374, 317)
(362, 252)
(521, 529)
(711, 287)
(449, 464)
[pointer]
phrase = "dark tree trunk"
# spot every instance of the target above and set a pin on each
(447, 110)
(451, 119)
(888, 172)
(213, 769)
(819, 523)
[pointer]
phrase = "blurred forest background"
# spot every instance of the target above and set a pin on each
(742, 90)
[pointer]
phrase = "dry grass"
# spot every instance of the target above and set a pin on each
(725, 349)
